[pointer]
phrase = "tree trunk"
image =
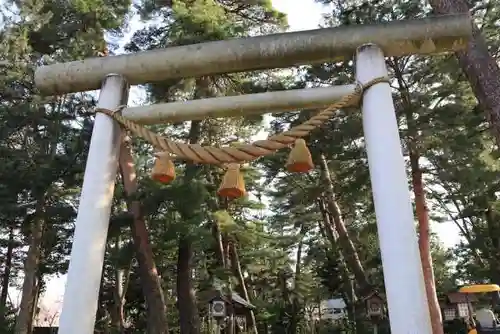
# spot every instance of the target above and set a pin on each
(6, 274)
(150, 280)
(237, 272)
(285, 300)
(219, 247)
(346, 245)
(34, 302)
(186, 298)
(186, 302)
(102, 314)
(493, 234)
(480, 67)
(122, 279)
(229, 287)
(30, 271)
(294, 316)
(326, 230)
(424, 245)
(420, 205)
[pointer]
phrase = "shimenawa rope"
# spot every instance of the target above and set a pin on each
(241, 152)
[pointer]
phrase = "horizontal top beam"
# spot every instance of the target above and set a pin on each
(398, 38)
(239, 105)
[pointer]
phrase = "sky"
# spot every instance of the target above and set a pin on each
(302, 15)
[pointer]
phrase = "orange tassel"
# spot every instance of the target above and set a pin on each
(163, 169)
(233, 185)
(299, 160)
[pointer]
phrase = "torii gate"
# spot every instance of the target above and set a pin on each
(407, 302)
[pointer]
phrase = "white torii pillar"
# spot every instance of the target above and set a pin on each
(403, 275)
(91, 227)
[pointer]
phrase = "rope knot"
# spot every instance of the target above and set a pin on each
(373, 82)
(359, 89)
(110, 112)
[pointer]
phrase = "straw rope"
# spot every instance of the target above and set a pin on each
(241, 152)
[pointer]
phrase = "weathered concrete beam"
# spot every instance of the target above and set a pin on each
(240, 105)
(423, 36)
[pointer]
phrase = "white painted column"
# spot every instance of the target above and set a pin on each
(403, 276)
(91, 227)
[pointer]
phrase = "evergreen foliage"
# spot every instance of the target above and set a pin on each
(282, 247)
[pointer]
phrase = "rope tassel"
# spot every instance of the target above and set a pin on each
(299, 160)
(233, 184)
(163, 169)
